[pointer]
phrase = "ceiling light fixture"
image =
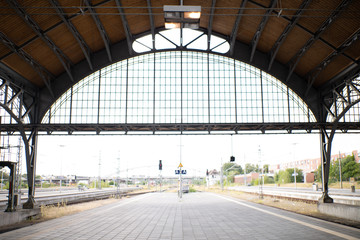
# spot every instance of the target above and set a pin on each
(177, 16)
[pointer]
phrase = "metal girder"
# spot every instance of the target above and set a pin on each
(65, 61)
(313, 74)
(340, 96)
(354, 88)
(274, 50)
(129, 37)
(296, 59)
(30, 153)
(84, 47)
(16, 80)
(347, 74)
(152, 25)
(211, 18)
(229, 128)
(236, 27)
(261, 28)
(101, 29)
(45, 75)
(15, 96)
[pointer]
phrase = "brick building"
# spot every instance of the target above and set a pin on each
(309, 166)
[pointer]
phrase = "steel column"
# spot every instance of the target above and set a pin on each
(31, 154)
(325, 146)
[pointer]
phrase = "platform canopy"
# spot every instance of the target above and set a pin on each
(47, 46)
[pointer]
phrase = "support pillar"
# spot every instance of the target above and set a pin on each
(11, 198)
(31, 150)
(325, 146)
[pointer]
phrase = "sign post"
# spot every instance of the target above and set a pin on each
(180, 179)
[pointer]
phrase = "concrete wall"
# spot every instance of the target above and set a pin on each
(340, 210)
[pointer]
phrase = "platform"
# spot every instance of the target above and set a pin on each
(195, 216)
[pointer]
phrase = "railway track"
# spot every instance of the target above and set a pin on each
(77, 197)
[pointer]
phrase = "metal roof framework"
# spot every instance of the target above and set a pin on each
(312, 46)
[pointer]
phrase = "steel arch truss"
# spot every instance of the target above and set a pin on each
(12, 103)
(344, 108)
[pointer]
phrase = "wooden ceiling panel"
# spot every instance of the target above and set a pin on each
(331, 70)
(344, 26)
(295, 40)
(88, 30)
(71, 7)
(271, 33)
(205, 11)
(317, 12)
(157, 10)
(311, 59)
(14, 26)
(249, 23)
(41, 53)
(42, 12)
(224, 24)
(19, 65)
(64, 40)
(138, 18)
(354, 50)
(111, 20)
(4, 50)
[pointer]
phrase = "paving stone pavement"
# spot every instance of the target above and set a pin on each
(195, 216)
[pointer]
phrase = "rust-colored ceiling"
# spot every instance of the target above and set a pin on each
(318, 40)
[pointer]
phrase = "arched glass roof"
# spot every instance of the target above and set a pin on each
(186, 38)
(179, 87)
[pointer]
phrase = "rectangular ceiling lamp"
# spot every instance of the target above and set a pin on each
(175, 15)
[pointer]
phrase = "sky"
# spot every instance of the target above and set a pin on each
(129, 155)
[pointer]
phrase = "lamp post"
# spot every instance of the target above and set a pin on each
(61, 156)
(295, 174)
(261, 182)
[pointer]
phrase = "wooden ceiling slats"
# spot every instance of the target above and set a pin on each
(158, 11)
(271, 33)
(295, 40)
(13, 26)
(249, 23)
(138, 23)
(44, 56)
(310, 60)
(25, 69)
(336, 66)
(224, 24)
(41, 12)
(4, 50)
(64, 39)
(224, 19)
(354, 50)
(88, 30)
(317, 13)
(111, 21)
(344, 26)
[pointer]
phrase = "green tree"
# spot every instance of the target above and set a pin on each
(232, 167)
(299, 177)
(351, 169)
(266, 168)
(283, 177)
(251, 168)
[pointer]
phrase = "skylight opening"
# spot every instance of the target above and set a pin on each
(191, 39)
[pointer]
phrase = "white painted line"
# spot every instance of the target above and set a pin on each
(292, 220)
